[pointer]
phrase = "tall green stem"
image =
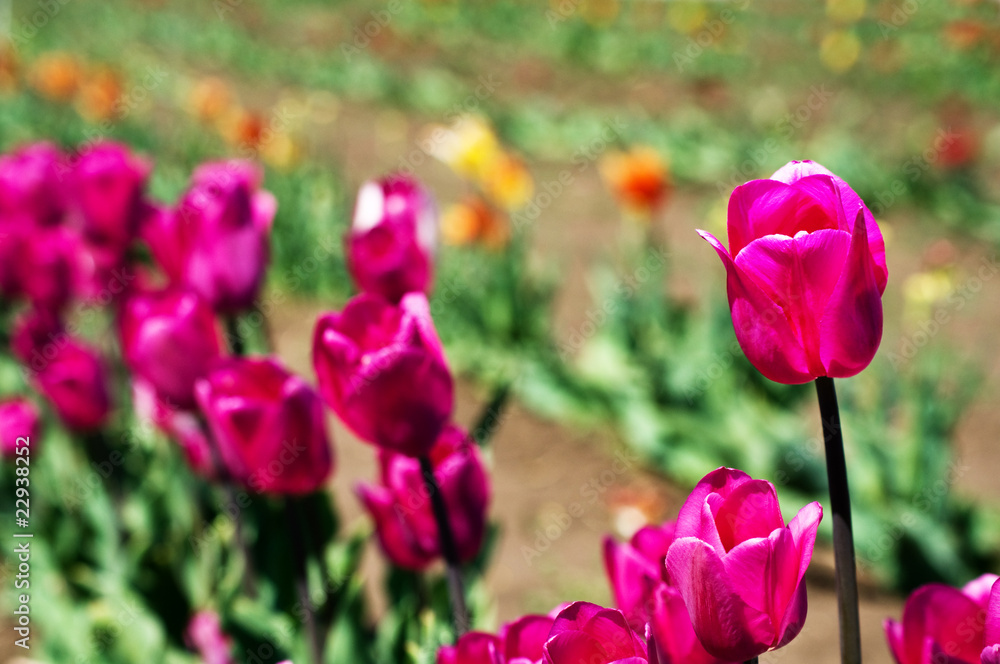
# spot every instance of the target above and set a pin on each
(456, 588)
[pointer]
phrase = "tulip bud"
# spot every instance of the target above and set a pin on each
(18, 419)
(805, 271)
(945, 624)
(216, 242)
(108, 184)
(401, 506)
(204, 635)
(267, 424)
(585, 632)
(738, 567)
(170, 339)
(382, 370)
(391, 244)
(66, 371)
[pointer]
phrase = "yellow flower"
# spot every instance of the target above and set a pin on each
(839, 50)
(508, 182)
(469, 147)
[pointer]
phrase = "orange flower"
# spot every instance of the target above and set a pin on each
(242, 128)
(8, 67)
(963, 35)
(474, 221)
(98, 95)
(209, 99)
(639, 179)
(56, 76)
(508, 182)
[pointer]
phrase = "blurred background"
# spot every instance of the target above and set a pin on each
(574, 147)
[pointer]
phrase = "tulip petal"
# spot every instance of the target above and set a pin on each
(572, 648)
(672, 633)
(750, 511)
(764, 572)
(990, 654)
(633, 578)
(526, 637)
(894, 635)
(398, 541)
(726, 626)
(768, 207)
(980, 589)
(851, 327)
(761, 327)
(943, 614)
(694, 520)
(992, 631)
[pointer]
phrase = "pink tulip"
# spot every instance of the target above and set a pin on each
(204, 635)
(268, 425)
(391, 244)
(183, 427)
(31, 193)
(945, 624)
(401, 507)
(108, 184)
(216, 242)
(638, 574)
(519, 642)
(806, 271)
(738, 567)
(170, 339)
(382, 370)
(18, 419)
(584, 632)
(51, 264)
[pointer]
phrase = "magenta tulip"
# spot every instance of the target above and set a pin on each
(584, 632)
(391, 244)
(991, 633)
(31, 194)
(216, 242)
(381, 368)
(108, 185)
(205, 636)
(18, 419)
(738, 567)
(519, 642)
(182, 426)
(268, 425)
(401, 506)
(170, 339)
(945, 624)
(805, 271)
(51, 265)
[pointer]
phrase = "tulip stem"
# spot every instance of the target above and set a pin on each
(843, 538)
(753, 661)
(302, 577)
(456, 589)
(234, 337)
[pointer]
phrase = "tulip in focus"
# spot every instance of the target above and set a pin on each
(18, 419)
(584, 632)
(945, 624)
(401, 507)
(519, 642)
(170, 340)
(391, 244)
(267, 425)
(216, 242)
(738, 567)
(204, 635)
(382, 370)
(805, 272)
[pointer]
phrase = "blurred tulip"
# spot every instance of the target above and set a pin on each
(945, 624)
(268, 426)
(210, 98)
(99, 95)
(391, 244)
(49, 265)
(584, 632)
(639, 179)
(69, 373)
(519, 642)
(806, 271)
(108, 185)
(18, 419)
(216, 242)
(183, 426)
(170, 339)
(401, 507)
(204, 635)
(9, 67)
(738, 567)
(31, 191)
(469, 146)
(474, 221)
(962, 35)
(56, 76)
(508, 182)
(382, 370)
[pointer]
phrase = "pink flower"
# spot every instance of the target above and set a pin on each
(18, 419)
(401, 506)
(268, 425)
(183, 426)
(584, 632)
(806, 271)
(31, 194)
(391, 244)
(216, 242)
(945, 624)
(50, 266)
(108, 185)
(170, 339)
(519, 642)
(638, 574)
(738, 567)
(382, 370)
(204, 635)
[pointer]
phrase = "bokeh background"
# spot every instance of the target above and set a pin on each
(574, 147)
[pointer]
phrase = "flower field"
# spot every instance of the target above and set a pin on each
(383, 331)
